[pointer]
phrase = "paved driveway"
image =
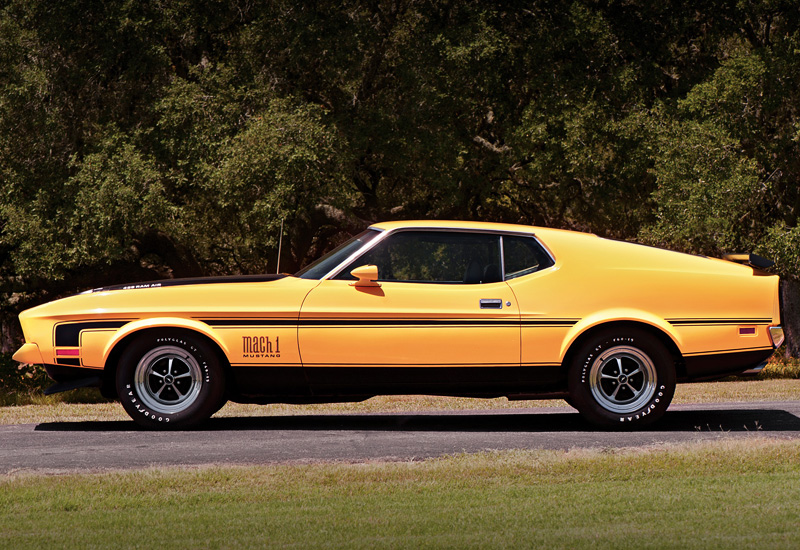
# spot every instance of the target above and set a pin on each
(70, 446)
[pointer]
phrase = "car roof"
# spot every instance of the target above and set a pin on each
(465, 225)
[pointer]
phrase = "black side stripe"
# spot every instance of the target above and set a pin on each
(68, 334)
(407, 322)
(250, 322)
(679, 322)
(550, 322)
(726, 351)
(386, 322)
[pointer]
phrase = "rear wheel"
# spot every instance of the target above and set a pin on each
(170, 379)
(622, 378)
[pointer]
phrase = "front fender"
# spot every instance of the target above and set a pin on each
(614, 316)
(162, 322)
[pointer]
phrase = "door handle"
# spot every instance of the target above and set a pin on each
(491, 303)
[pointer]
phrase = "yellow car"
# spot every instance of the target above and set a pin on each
(416, 307)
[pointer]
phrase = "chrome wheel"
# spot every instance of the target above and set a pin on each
(622, 379)
(168, 379)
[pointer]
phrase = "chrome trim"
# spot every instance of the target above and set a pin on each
(540, 243)
(176, 401)
(502, 259)
(755, 370)
(386, 232)
(335, 271)
(620, 390)
(546, 251)
(458, 230)
(776, 335)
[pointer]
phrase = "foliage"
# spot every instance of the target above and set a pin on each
(16, 379)
(280, 167)
(148, 140)
(708, 195)
(23, 384)
(780, 367)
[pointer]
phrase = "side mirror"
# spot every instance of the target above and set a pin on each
(366, 275)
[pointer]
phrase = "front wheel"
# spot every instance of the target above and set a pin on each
(170, 379)
(622, 378)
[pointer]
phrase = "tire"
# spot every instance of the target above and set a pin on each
(170, 379)
(622, 378)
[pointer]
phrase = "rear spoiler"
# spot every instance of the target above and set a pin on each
(753, 260)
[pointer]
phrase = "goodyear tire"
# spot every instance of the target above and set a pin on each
(622, 378)
(169, 380)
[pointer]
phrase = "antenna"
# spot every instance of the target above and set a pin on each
(280, 242)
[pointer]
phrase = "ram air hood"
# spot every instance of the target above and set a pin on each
(192, 281)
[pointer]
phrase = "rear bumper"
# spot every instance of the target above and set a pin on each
(709, 367)
(776, 334)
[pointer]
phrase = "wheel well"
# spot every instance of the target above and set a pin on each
(680, 367)
(109, 387)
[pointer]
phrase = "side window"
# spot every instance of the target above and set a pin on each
(523, 255)
(434, 257)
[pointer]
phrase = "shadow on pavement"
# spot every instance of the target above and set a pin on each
(731, 420)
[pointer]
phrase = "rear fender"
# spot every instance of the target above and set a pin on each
(618, 315)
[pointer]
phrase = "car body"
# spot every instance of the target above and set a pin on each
(420, 307)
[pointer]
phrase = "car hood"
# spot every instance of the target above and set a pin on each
(193, 298)
(192, 281)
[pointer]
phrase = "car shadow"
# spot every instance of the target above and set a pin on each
(726, 420)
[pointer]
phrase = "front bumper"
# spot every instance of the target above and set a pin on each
(29, 353)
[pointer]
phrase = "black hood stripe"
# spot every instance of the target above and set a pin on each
(194, 281)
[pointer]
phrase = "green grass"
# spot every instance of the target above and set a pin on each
(714, 495)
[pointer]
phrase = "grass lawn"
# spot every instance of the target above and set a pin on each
(725, 494)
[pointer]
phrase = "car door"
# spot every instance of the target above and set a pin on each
(441, 320)
(545, 317)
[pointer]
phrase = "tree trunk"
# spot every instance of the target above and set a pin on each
(10, 332)
(790, 315)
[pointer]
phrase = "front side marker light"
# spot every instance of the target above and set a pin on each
(776, 333)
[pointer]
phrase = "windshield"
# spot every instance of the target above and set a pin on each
(321, 267)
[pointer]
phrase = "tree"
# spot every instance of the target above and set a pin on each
(150, 140)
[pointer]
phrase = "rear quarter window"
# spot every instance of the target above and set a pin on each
(524, 255)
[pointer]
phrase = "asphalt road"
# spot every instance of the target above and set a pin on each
(80, 446)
